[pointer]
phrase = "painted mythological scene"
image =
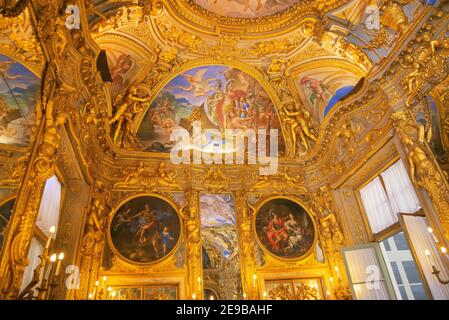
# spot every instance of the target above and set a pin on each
(19, 88)
(246, 8)
(145, 229)
(221, 261)
(219, 97)
(285, 229)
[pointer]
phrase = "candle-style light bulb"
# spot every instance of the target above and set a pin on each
(427, 252)
(109, 289)
(96, 283)
(53, 257)
(104, 279)
(254, 276)
(91, 296)
(429, 229)
(443, 250)
(331, 279)
(193, 296)
(52, 230)
(264, 294)
(58, 266)
(212, 297)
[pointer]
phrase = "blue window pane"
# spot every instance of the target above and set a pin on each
(386, 244)
(397, 275)
(403, 292)
(401, 242)
(411, 271)
(418, 292)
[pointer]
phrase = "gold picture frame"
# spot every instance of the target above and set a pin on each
(130, 262)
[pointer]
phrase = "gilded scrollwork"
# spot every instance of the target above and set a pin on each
(143, 177)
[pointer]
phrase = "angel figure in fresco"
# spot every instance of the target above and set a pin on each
(199, 85)
(317, 90)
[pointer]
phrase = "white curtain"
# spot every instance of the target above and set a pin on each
(400, 190)
(366, 274)
(49, 209)
(422, 240)
(35, 251)
(377, 207)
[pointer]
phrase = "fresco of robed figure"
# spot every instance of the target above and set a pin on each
(285, 229)
(145, 229)
(220, 97)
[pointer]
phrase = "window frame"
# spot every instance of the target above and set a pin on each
(382, 264)
(413, 251)
(394, 228)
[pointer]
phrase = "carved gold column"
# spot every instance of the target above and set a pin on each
(93, 240)
(332, 239)
(192, 226)
(424, 169)
(246, 245)
(20, 232)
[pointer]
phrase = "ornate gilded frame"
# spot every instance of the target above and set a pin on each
(129, 262)
(306, 209)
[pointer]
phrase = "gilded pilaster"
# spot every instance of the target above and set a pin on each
(424, 169)
(246, 245)
(193, 245)
(93, 240)
(332, 240)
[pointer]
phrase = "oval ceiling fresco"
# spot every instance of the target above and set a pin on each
(19, 88)
(246, 8)
(220, 97)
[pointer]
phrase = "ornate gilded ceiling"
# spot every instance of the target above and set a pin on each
(304, 56)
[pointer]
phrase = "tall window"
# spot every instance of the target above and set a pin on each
(48, 216)
(388, 195)
(386, 268)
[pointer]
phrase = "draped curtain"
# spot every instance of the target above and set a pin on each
(383, 199)
(377, 207)
(400, 190)
(50, 204)
(366, 274)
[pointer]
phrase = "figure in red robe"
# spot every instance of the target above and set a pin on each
(277, 233)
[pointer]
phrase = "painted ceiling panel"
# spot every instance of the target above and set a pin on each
(246, 8)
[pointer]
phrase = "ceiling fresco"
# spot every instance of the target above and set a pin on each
(246, 8)
(220, 97)
(18, 91)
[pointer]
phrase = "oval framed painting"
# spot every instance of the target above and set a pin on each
(285, 229)
(144, 229)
